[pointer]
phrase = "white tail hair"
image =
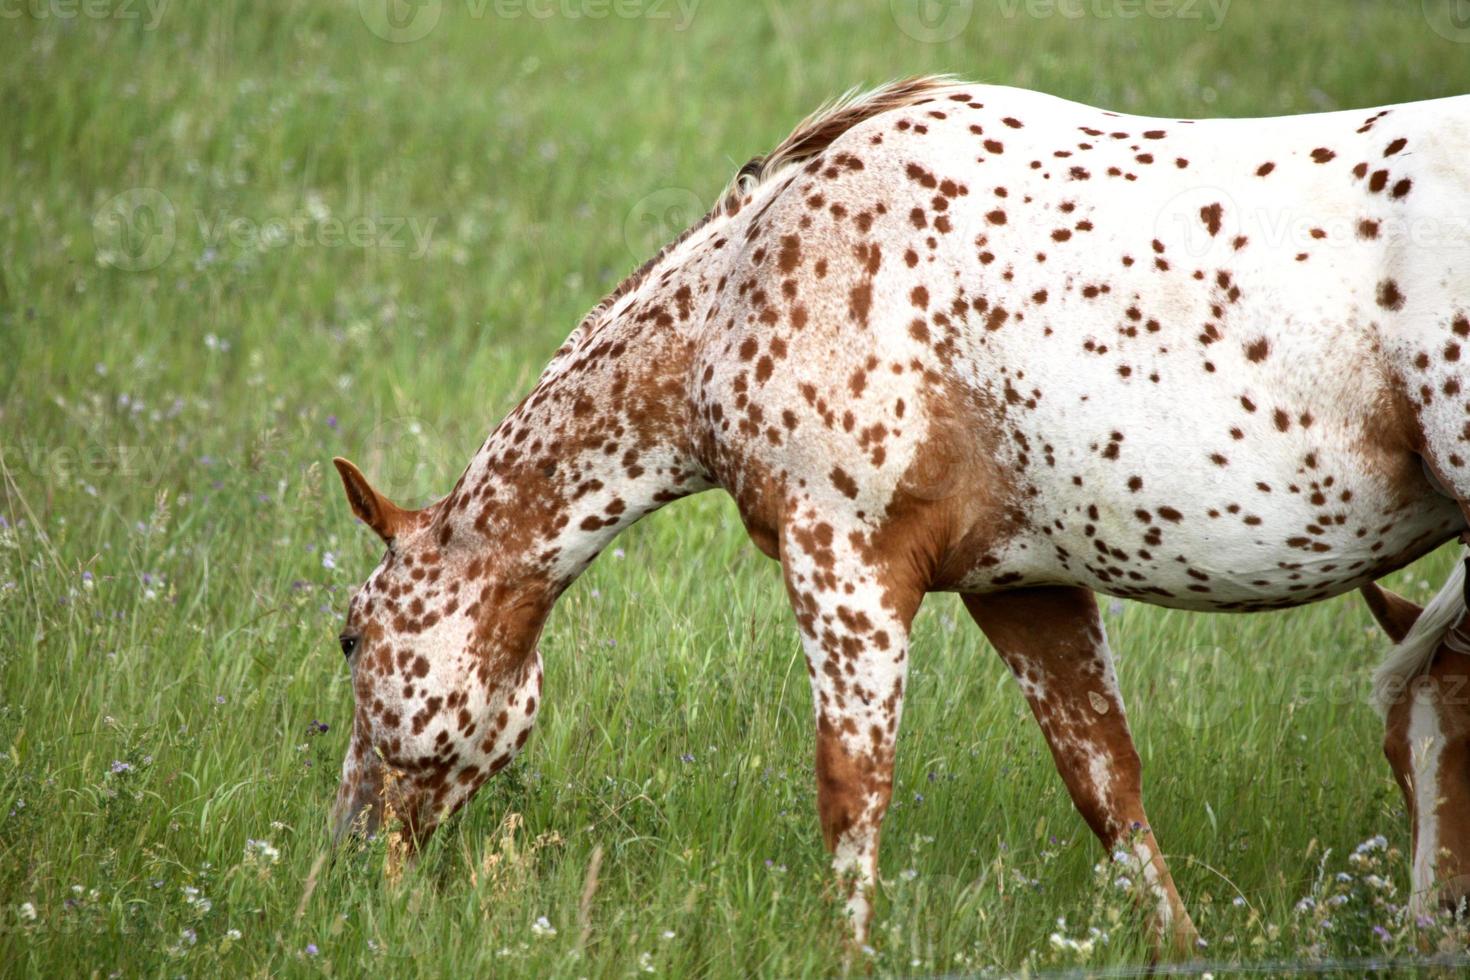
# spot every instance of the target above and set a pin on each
(1412, 655)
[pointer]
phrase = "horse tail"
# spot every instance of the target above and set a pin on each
(1412, 655)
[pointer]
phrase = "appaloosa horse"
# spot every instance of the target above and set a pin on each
(967, 338)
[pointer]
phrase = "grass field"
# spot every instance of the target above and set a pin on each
(346, 244)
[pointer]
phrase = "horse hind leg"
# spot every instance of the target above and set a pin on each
(1053, 641)
(1392, 611)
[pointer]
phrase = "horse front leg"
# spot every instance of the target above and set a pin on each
(1053, 641)
(854, 616)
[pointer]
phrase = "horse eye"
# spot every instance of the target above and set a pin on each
(349, 644)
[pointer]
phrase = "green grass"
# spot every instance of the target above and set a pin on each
(167, 608)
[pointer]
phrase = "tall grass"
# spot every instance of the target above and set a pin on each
(347, 245)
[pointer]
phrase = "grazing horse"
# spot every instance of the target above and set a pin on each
(968, 338)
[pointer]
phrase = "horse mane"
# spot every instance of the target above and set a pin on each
(809, 139)
(1412, 655)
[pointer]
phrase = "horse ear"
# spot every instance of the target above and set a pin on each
(375, 510)
(1394, 613)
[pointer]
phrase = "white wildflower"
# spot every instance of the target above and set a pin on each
(1377, 843)
(261, 852)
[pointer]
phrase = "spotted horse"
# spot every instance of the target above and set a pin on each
(969, 338)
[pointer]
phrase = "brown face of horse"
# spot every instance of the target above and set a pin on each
(1427, 742)
(445, 672)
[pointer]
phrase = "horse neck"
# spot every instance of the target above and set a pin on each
(603, 439)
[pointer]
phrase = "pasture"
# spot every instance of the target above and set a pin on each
(237, 239)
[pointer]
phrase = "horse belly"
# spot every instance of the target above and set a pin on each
(1178, 501)
(1188, 398)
